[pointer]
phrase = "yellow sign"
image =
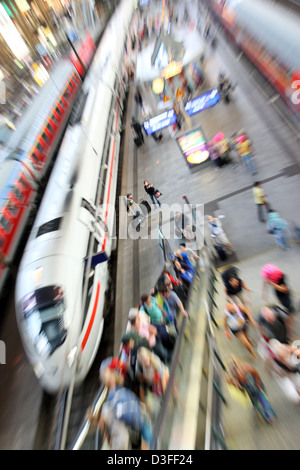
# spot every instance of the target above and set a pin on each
(174, 68)
(158, 86)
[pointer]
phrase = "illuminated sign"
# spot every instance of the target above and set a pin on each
(202, 102)
(159, 122)
(158, 86)
(194, 147)
(174, 68)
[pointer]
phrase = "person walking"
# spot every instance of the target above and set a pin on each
(274, 277)
(236, 320)
(259, 200)
(244, 148)
(138, 98)
(245, 377)
(153, 193)
(277, 227)
(136, 129)
(235, 286)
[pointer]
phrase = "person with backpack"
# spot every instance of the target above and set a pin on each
(123, 412)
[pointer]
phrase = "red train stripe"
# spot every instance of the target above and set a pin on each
(90, 325)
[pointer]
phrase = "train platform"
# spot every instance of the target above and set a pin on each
(226, 192)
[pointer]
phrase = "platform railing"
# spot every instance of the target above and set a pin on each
(191, 412)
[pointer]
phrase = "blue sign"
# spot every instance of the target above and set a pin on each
(159, 122)
(202, 102)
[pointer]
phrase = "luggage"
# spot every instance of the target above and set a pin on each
(145, 206)
(221, 252)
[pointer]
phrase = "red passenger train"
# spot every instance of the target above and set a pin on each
(269, 36)
(30, 152)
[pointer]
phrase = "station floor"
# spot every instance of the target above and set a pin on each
(225, 192)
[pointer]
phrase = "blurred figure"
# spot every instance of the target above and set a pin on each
(236, 320)
(153, 193)
(259, 200)
(133, 207)
(181, 223)
(234, 286)
(217, 232)
(215, 155)
(272, 324)
(278, 228)
(245, 377)
(244, 148)
(136, 129)
(225, 87)
(138, 98)
(273, 276)
(284, 361)
(123, 407)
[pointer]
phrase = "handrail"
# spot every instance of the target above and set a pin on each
(96, 407)
(213, 432)
(173, 366)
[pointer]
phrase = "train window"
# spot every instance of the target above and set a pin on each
(13, 209)
(5, 223)
(23, 183)
(35, 158)
(45, 138)
(17, 193)
(39, 147)
(50, 226)
(49, 127)
(62, 104)
(58, 111)
(53, 118)
(45, 307)
(2, 241)
(88, 207)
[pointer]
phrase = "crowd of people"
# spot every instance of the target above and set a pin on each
(274, 327)
(136, 380)
(138, 377)
(237, 149)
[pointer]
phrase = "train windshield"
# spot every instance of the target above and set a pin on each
(43, 311)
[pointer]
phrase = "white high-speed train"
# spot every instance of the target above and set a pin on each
(63, 275)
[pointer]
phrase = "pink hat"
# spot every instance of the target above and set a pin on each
(271, 273)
